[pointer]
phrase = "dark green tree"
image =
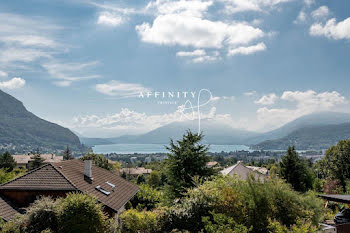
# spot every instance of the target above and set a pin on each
(336, 162)
(36, 160)
(187, 159)
(7, 161)
(141, 179)
(296, 171)
(67, 154)
(154, 179)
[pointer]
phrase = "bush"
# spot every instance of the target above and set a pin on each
(42, 215)
(146, 198)
(134, 221)
(81, 213)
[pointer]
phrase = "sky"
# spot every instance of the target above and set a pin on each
(105, 68)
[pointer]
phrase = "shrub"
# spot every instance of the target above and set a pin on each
(134, 221)
(81, 213)
(146, 198)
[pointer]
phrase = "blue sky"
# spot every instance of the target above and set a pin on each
(266, 62)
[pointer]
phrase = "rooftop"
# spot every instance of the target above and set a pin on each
(7, 211)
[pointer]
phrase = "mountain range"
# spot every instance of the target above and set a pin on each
(314, 131)
(22, 132)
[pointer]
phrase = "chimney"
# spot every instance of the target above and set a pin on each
(87, 170)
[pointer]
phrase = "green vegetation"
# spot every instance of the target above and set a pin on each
(37, 161)
(67, 154)
(6, 175)
(99, 160)
(296, 171)
(186, 160)
(7, 161)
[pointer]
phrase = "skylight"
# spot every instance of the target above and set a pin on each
(99, 188)
(110, 184)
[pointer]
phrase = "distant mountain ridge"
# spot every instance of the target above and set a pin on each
(314, 131)
(21, 131)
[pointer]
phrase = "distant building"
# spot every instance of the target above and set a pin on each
(136, 171)
(212, 164)
(23, 160)
(244, 172)
(148, 159)
(59, 179)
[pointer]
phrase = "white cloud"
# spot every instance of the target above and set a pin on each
(218, 98)
(247, 50)
(3, 74)
(309, 2)
(321, 13)
(177, 29)
(29, 40)
(121, 89)
(249, 93)
(234, 6)
(13, 83)
(70, 72)
(110, 19)
(301, 17)
(306, 102)
(194, 8)
(332, 29)
(269, 99)
(195, 53)
(22, 55)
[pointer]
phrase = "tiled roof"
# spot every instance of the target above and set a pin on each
(135, 171)
(46, 177)
(7, 212)
(73, 170)
(69, 175)
(48, 158)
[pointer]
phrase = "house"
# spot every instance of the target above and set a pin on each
(23, 160)
(7, 210)
(58, 179)
(211, 164)
(136, 171)
(244, 171)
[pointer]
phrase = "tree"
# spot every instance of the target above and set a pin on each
(99, 161)
(67, 154)
(37, 160)
(81, 213)
(7, 161)
(187, 159)
(141, 179)
(296, 171)
(336, 162)
(154, 179)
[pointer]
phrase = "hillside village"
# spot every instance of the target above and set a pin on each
(186, 191)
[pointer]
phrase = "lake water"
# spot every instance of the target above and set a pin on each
(155, 148)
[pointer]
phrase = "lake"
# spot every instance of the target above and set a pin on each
(155, 148)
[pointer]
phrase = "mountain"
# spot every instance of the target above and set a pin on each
(309, 137)
(215, 133)
(21, 131)
(315, 119)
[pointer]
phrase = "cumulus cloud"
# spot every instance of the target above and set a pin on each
(321, 13)
(332, 29)
(67, 73)
(267, 99)
(195, 53)
(110, 19)
(121, 89)
(176, 29)
(309, 2)
(3, 74)
(13, 83)
(301, 17)
(306, 102)
(247, 50)
(199, 56)
(234, 6)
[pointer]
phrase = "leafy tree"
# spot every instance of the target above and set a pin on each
(37, 160)
(42, 215)
(134, 221)
(7, 161)
(67, 154)
(6, 176)
(154, 179)
(146, 198)
(187, 159)
(81, 213)
(336, 162)
(141, 179)
(296, 171)
(99, 160)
